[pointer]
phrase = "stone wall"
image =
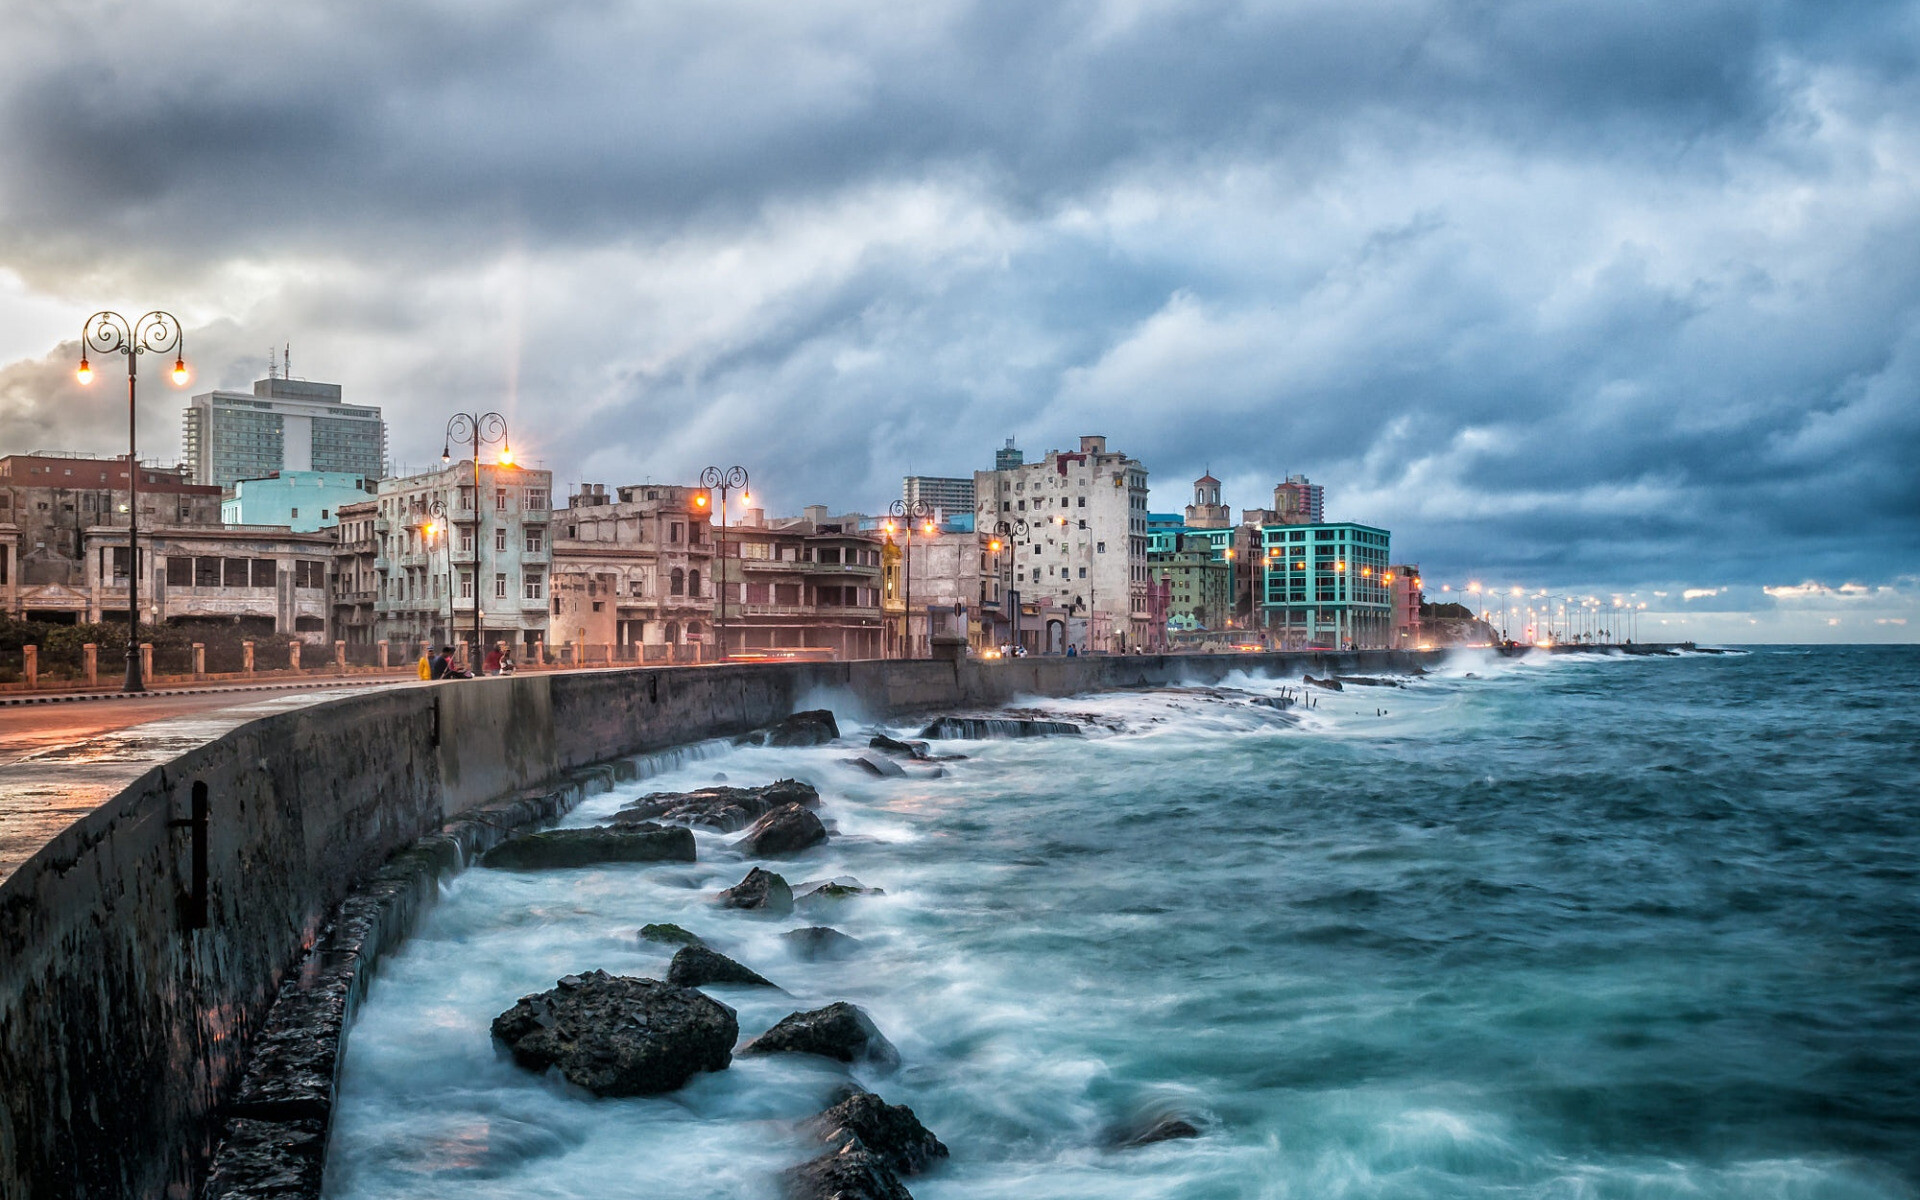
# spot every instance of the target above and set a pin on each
(127, 1002)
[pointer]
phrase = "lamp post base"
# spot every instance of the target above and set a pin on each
(134, 682)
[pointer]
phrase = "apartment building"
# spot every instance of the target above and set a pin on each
(633, 570)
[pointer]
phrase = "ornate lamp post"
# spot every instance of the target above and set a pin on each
(438, 527)
(1003, 534)
(723, 481)
(475, 430)
(157, 333)
(913, 513)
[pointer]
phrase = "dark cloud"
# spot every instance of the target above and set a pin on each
(1604, 292)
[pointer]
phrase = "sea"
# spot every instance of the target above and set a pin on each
(1559, 926)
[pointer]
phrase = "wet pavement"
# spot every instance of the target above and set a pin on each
(58, 762)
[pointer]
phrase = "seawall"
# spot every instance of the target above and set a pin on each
(141, 948)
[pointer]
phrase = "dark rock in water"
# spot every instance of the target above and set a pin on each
(669, 935)
(697, 966)
(820, 943)
(1273, 701)
(878, 764)
(978, 728)
(851, 1173)
(839, 1031)
(1165, 1130)
(786, 830)
(815, 727)
(1331, 684)
(618, 1036)
(587, 847)
(819, 891)
(760, 891)
(1368, 681)
(723, 808)
(889, 1130)
(897, 747)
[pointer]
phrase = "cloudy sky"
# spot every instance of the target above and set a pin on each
(1604, 297)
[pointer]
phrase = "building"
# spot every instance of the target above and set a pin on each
(354, 583)
(1403, 590)
(51, 507)
(492, 550)
(948, 496)
(1325, 585)
(931, 581)
(303, 501)
(1206, 511)
(1007, 457)
(1199, 579)
(1074, 528)
(283, 425)
(257, 580)
(634, 576)
(1298, 502)
(808, 587)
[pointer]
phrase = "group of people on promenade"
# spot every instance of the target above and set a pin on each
(440, 664)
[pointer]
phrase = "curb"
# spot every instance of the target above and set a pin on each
(78, 697)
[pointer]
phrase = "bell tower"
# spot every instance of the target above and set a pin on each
(1206, 511)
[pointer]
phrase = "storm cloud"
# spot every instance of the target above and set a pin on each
(1581, 296)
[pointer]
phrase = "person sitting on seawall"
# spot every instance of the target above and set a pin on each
(447, 669)
(426, 666)
(492, 665)
(506, 661)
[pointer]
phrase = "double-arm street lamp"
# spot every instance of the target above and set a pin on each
(1004, 533)
(155, 333)
(439, 526)
(475, 430)
(723, 480)
(910, 514)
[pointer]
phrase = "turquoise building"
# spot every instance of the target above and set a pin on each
(305, 501)
(1326, 585)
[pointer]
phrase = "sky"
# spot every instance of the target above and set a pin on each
(1612, 298)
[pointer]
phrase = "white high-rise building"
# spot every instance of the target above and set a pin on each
(1085, 541)
(283, 425)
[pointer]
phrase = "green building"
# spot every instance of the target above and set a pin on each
(1325, 585)
(1199, 579)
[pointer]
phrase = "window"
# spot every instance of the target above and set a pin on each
(466, 585)
(499, 585)
(296, 512)
(1100, 548)
(677, 582)
(206, 572)
(533, 586)
(466, 541)
(499, 499)
(536, 540)
(500, 540)
(237, 572)
(599, 606)
(179, 571)
(1083, 504)
(536, 498)
(693, 583)
(1083, 572)
(309, 574)
(673, 533)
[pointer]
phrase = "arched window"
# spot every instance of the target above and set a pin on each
(693, 629)
(693, 583)
(673, 630)
(677, 583)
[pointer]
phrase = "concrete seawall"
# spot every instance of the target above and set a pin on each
(141, 949)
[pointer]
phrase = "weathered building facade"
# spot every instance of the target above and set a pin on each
(634, 571)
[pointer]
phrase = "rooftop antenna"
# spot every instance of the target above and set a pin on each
(286, 366)
(273, 364)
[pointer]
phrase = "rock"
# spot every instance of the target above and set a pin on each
(897, 747)
(697, 966)
(618, 1036)
(1331, 684)
(850, 1173)
(788, 829)
(877, 764)
(259, 1159)
(671, 935)
(817, 891)
(815, 727)
(587, 847)
(819, 943)
(1273, 701)
(1164, 1130)
(997, 727)
(760, 891)
(723, 808)
(839, 1031)
(1367, 681)
(889, 1130)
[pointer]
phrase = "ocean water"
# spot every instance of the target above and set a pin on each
(1569, 927)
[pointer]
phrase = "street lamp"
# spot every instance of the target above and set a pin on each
(913, 513)
(1004, 533)
(714, 478)
(158, 333)
(439, 526)
(475, 430)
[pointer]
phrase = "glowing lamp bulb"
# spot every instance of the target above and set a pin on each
(506, 454)
(928, 527)
(85, 373)
(699, 501)
(180, 375)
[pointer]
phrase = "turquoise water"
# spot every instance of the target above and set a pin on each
(1570, 927)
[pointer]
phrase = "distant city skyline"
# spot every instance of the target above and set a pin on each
(1615, 298)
